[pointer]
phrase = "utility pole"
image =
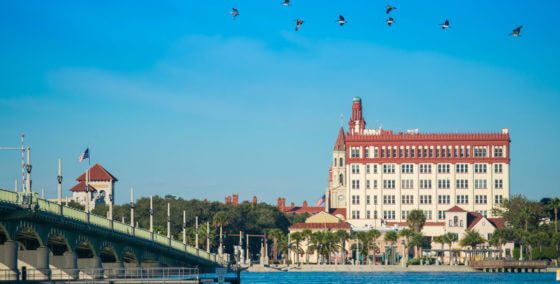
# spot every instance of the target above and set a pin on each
(28, 169)
(184, 227)
(196, 229)
(207, 236)
(42, 193)
(247, 259)
(132, 207)
(151, 218)
(168, 221)
(87, 192)
(59, 179)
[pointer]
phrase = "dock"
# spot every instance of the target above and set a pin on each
(509, 265)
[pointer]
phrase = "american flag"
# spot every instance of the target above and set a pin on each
(320, 201)
(85, 155)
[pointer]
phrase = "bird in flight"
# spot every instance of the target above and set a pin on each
(445, 25)
(341, 20)
(390, 8)
(389, 21)
(286, 3)
(234, 12)
(516, 31)
(298, 24)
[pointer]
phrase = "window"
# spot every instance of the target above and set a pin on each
(401, 152)
(367, 184)
(340, 162)
(480, 152)
(419, 152)
(394, 152)
(425, 199)
(443, 199)
(425, 152)
(374, 169)
(382, 152)
(462, 183)
(368, 169)
(355, 152)
(407, 184)
(455, 221)
(455, 152)
(480, 183)
(407, 199)
(412, 153)
(441, 214)
(404, 214)
(376, 152)
(480, 168)
(425, 168)
(367, 199)
(498, 151)
(498, 168)
(334, 162)
(425, 183)
(375, 184)
(388, 214)
(374, 214)
(407, 168)
(431, 152)
(481, 212)
(388, 168)
(355, 199)
(468, 152)
(462, 152)
(462, 199)
(462, 168)
(355, 214)
(366, 153)
(388, 199)
(406, 152)
(389, 184)
(443, 168)
(443, 183)
(428, 214)
(341, 179)
(499, 199)
(368, 216)
(355, 184)
(480, 199)
(375, 199)
(355, 168)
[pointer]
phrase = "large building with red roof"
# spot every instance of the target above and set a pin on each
(101, 187)
(379, 176)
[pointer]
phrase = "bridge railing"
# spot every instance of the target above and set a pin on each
(32, 201)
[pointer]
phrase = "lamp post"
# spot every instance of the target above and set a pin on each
(184, 227)
(28, 168)
(207, 236)
(110, 207)
(132, 207)
(151, 218)
(196, 231)
(59, 179)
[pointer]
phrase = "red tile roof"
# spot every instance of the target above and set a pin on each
(405, 224)
(340, 140)
(97, 173)
(473, 218)
(329, 226)
(341, 211)
(300, 210)
(498, 222)
(455, 209)
(81, 187)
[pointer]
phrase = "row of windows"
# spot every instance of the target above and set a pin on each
(427, 199)
(427, 184)
(390, 215)
(427, 168)
(426, 151)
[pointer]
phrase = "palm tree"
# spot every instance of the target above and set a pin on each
(406, 233)
(556, 241)
(417, 240)
(283, 247)
(450, 238)
(555, 204)
(540, 237)
(220, 219)
(391, 237)
(471, 239)
(342, 236)
(276, 234)
(440, 240)
(297, 237)
(306, 234)
(526, 214)
(364, 239)
(499, 238)
(373, 235)
(325, 243)
(521, 237)
(416, 220)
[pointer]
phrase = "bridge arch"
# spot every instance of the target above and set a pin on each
(129, 256)
(29, 239)
(58, 244)
(108, 254)
(85, 249)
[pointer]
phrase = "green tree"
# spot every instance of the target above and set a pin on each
(554, 204)
(418, 241)
(555, 240)
(471, 239)
(500, 237)
(297, 238)
(450, 238)
(306, 233)
(342, 236)
(220, 220)
(275, 234)
(440, 240)
(526, 214)
(416, 220)
(515, 216)
(539, 238)
(373, 236)
(406, 234)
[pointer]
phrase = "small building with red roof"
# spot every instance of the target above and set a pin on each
(100, 187)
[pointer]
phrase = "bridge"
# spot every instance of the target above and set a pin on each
(48, 238)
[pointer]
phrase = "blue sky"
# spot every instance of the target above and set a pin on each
(175, 97)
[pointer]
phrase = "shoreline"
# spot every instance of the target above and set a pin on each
(368, 268)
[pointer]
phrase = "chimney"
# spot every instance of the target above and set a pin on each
(292, 205)
(236, 199)
(305, 204)
(254, 201)
(279, 204)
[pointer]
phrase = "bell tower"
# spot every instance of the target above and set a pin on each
(336, 193)
(357, 123)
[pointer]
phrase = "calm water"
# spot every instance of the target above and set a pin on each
(387, 277)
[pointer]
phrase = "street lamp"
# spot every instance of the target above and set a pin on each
(28, 168)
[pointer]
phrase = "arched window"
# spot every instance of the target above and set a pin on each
(340, 162)
(341, 179)
(335, 162)
(455, 221)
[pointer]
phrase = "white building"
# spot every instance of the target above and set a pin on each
(101, 187)
(379, 176)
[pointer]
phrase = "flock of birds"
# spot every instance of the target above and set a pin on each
(341, 21)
